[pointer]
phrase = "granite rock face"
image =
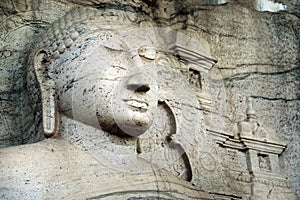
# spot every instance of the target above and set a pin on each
(223, 117)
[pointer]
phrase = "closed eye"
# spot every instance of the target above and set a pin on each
(114, 45)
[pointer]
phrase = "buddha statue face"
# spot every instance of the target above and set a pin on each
(103, 73)
(115, 84)
(108, 80)
(129, 96)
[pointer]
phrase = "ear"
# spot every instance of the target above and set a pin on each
(47, 87)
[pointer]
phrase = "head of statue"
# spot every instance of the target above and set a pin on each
(98, 68)
(114, 71)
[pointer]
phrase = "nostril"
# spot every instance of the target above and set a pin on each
(143, 88)
(139, 88)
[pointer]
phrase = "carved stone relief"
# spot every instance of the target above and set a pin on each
(111, 93)
(125, 101)
(257, 165)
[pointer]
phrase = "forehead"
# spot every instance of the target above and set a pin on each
(116, 39)
(131, 39)
(100, 48)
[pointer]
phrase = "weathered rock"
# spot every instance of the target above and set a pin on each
(204, 133)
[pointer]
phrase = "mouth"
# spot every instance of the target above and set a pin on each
(138, 105)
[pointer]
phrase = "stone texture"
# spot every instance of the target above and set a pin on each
(53, 161)
(258, 57)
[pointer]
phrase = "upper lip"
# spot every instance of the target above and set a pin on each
(138, 104)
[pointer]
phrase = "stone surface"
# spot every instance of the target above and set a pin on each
(58, 170)
(175, 140)
(102, 81)
(271, 6)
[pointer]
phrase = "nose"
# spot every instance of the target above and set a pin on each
(138, 83)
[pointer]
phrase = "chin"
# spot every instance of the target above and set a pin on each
(133, 131)
(130, 123)
(135, 126)
(130, 128)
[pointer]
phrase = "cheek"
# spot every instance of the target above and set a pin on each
(107, 99)
(153, 97)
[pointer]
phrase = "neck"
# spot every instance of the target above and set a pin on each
(91, 139)
(122, 154)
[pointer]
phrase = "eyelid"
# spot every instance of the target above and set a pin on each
(147, 52)
(114, 45)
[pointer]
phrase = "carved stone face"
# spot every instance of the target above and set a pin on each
(129, 95)
(112, 84)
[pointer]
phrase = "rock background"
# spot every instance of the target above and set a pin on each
(258, 56)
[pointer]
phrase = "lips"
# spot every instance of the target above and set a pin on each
(139, 105)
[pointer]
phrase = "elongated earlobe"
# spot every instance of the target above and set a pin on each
(47, 87)
(50, 113)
